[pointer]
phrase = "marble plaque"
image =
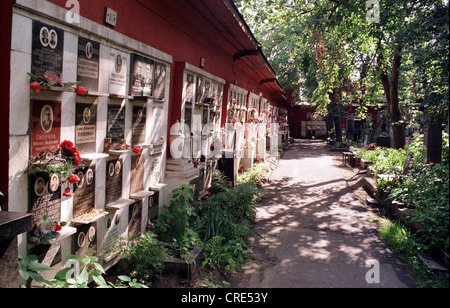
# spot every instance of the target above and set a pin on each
(84, 192)
(86, 128)
(45, 197)
(190, 88)
(118, 72)
(112, 236)
(88, 63)
(160, 80)
(116, 123)
(114, 180)
(45, 126)
(139, 124)
(137, 174)
(153, 206)
(155, 169)
(84, 241)
(142, 76)
(134, 219)
(47, 49)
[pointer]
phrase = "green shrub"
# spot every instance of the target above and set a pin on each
(226, 256)
(143, 257)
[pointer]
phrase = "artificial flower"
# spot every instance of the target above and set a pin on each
(57, 228)
(66, 145)
(137, 151)
(68, 193)
(77, 160)
(73, 179)
(52, 78)
(48, 226)
(81, 90)
(35, 85)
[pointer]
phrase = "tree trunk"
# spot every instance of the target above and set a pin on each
(391, 92)
(338, 128)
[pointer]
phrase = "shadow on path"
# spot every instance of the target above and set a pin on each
(317, 234)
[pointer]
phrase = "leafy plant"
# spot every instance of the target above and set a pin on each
(226, 256)
(29, 269)
(143, 257)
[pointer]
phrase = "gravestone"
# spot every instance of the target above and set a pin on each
(114, 172)
(137, 174)
(160, 80)
(142, 76)
(88, 63)
(84, 192)
(118, 72)
(47, 50)
(134, 219)
(111, 238)
(116, 124)
(139, 125)
(84, 242)
(153, 206)
(85, 128)
(45, 126)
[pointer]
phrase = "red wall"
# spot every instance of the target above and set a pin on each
(5, 76)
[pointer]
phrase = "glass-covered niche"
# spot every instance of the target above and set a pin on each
(237, 102)
(201, 109)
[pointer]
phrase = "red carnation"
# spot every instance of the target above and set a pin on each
(57, 228)
(68, 193)
(81, 90)
(77, 160)
(73, 179)
(35, 86)
(137, 151)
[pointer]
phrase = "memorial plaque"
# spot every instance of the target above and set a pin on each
(139, 125)
(155, 168)
(118, 72)
(84, 192)
(45, 126)
(137, 174)
(142, 77)
(160, 80)
(113, 180)
(84, 242)
(116, 124)
(112, 236)
(134, 219)
(200, 90)
(153, 206)
(190, 88)
(45, 197)
(85, 129)
(47, 49)
(88, 63)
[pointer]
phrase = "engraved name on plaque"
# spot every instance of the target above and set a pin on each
(113, 180)
(88, 63)
(45, 126)
(85, 127)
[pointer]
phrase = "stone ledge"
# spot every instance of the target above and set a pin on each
(13, 224)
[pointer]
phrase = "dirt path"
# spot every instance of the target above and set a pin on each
(317, 233)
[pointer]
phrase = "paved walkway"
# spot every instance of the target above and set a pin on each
(317, 233)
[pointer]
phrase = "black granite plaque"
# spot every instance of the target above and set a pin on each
(141, 75)
(153, 206)
(139, 124)
(84, 192)
(45, 197)
(85, 128)
(134, 219)
(137, 174)
(116, 123)
(88, 63)
(47, 49)
(160, 80)
(84, 242)
(113, 180)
